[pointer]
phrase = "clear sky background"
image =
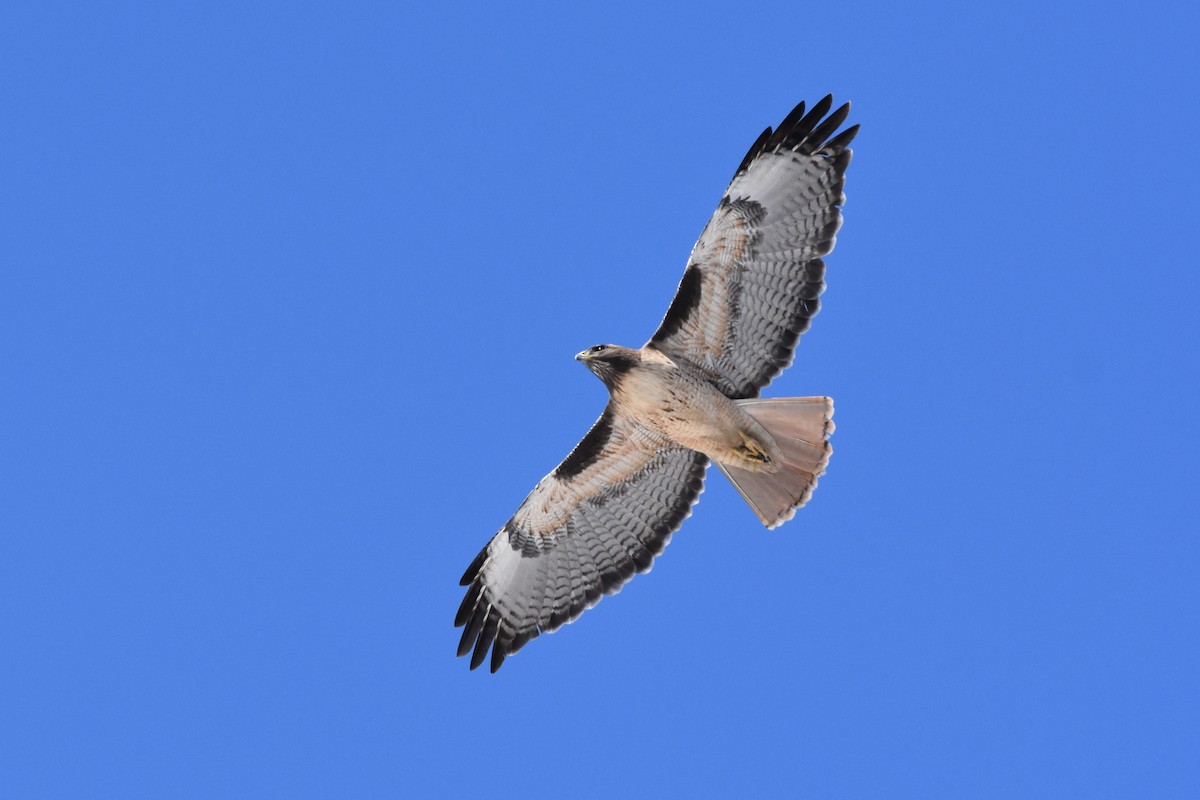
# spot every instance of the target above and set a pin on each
(289, 295)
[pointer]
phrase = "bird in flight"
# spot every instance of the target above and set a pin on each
(687, 397)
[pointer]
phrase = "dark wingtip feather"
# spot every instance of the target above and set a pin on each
(500, 651)
(486, 637)
(473, 570)
(759, 145)
(781, 131)
(814, 140)
(840, 142)
(793, 116)
(471, 633)
(804, 132)
(467, 605)
(802, 128)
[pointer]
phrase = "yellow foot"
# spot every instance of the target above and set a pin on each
(752, 450)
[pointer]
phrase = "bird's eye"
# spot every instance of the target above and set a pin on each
(598, 348)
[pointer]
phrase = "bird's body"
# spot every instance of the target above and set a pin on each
(682, 406)
(688, 396)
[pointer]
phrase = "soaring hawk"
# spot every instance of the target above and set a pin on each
(688, 396)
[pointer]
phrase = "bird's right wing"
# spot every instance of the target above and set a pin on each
(587, 527)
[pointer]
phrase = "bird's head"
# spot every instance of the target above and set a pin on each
(609, 361)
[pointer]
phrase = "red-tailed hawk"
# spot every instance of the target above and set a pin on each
(688, 396)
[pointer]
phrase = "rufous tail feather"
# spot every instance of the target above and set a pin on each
(801, 426)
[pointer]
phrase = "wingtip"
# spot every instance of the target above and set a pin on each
(473, 569)
(467, 640)
(467, 607)
(819, 109)
(761, 143)
(486, 637)
(803, 131)
(840, 143)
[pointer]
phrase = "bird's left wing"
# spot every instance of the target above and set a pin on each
(584, 530)
(752, 283)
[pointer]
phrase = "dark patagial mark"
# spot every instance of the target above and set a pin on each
(588, 450)
(686, 301)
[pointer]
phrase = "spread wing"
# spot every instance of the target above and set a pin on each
(754, 277)
(587, 527)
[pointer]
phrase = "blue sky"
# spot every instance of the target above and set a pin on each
(288, 300)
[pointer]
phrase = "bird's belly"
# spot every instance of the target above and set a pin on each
(695, 414)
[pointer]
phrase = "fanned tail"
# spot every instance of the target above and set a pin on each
(801, 426)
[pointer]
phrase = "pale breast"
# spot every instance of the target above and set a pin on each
(681, 406)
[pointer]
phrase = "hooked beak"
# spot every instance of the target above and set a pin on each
(582, 356)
